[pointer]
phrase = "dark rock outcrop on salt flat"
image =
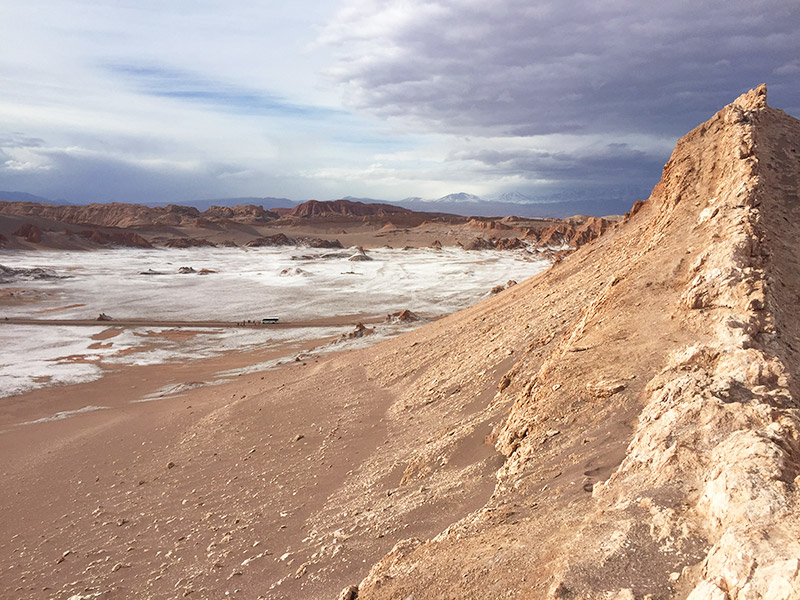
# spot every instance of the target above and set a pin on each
(403, 316)
(9, 274)
(319, 243)
(128, 239)
(360, 255)
(187, 242)
(481, 243)
(244, 214)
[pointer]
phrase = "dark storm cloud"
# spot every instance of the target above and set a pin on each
(596, 166)
(92, 178)
(515, 67)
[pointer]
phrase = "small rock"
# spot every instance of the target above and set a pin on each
(348, 593)
(170, 464)
(552, 433)
(604, 388)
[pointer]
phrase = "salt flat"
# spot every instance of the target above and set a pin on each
(238, 284)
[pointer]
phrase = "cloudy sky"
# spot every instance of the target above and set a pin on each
(151, 101)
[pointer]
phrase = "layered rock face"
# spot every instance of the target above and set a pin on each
(653, 439)
(135, 215)
(349, 208)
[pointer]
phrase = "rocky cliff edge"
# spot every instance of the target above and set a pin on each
(652, 442)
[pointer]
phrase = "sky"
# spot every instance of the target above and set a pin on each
(153, 101)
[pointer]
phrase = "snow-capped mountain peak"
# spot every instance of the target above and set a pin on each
(513, 197)
(459, 197)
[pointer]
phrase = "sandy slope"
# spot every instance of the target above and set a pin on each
(682, 317)
(640, 392)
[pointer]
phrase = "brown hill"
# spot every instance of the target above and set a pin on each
(104, 215)
(243, 214)
(347, 208)
(121, 215)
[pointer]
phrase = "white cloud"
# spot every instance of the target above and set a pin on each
(367, 98)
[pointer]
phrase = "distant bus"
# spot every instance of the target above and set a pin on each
(269, 321)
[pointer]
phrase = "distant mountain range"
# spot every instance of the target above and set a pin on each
(510, 204)
(461, 203)
(25, 197)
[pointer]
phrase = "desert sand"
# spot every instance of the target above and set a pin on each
(623, 425)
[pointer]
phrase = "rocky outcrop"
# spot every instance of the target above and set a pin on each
(360, 255)
(652, 447)
(574, 234)
(481, 243)
(188, 242)
(499, 288)
(30, 232)
(403, 316)
(8, 274)
(128, 239)
(279, 239)
(122, 215)
(320, 243)
(508, 244)
(347, 208)
(488, 225)
(359, 331)
(248, 213)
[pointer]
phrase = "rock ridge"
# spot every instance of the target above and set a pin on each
(653, 439)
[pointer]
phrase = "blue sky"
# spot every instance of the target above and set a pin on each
(151, 101)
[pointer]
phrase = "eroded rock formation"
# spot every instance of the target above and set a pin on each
(653, 441)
